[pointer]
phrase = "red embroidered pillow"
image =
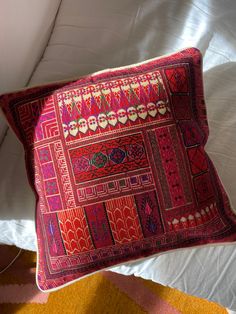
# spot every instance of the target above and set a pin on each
(118, 166)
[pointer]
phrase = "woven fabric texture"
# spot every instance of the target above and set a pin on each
(118, 166)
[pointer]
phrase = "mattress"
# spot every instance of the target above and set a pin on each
(89, 36)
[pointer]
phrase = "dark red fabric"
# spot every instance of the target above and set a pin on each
(118, 166)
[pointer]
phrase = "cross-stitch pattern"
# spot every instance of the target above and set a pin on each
(118, 165)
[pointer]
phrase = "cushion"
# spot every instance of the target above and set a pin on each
(117, 163)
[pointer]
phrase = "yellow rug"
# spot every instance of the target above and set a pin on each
(102, 293)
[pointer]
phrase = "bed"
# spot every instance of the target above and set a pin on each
(55, 40)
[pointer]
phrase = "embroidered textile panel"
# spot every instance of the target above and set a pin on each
(117, 163)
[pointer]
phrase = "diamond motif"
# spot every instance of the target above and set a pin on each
(148, 209)
(117, 155)
(80, 164)
(203, 187)
(99, 160)
(135, 151)
(177, 79)
(191, 133)
(197, 158)
(106, 157)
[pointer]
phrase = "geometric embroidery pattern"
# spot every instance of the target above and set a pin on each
(99, 160)
(191, 133)
(75, 231)
(39, 120)
(182, 106)
(99, 225)
(197, 159)
(148, 210)
(177, 79)
(94, 192)
(170, 166)
(203, 187)
(64, 176)
(55, 243)
(117, 104)
(124, 220)
(118, 166)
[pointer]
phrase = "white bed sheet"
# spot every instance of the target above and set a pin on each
(90, 36)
